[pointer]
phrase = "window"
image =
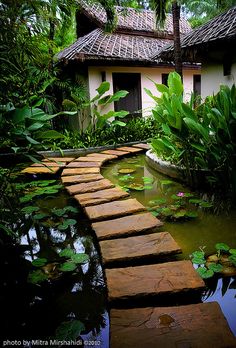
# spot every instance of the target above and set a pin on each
(164, 79)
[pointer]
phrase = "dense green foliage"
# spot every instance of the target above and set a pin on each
(196, 138)
(138, 129)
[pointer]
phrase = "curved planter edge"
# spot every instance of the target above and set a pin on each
(198, 177)
(164, 167)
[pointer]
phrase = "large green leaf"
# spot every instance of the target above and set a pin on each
(103, 88)
(197, 128)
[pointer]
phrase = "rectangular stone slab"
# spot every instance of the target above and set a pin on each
(142, 146)
(98, 197)
(48, 164)
(40, 170)
(127, 225)
(197, 326)
(138, 247)
(75, 171)
(76, 179)
(151, 280)
(129, 149)
(115, 152)
(58, 159)
(114, 209)
(102, 155)
(77, 164)
(90, 186)
(91, 159)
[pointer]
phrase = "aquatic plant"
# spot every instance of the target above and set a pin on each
(67, 261)
(223, 262)
(181, 206)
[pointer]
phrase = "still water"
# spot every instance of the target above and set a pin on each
(204, 231)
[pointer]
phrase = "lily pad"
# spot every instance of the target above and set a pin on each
(198, 260)
(135, 187)
(30, 209)
(215, 267)
(80, 258)
(222, 247)
(69, 330)
(66, 223)
(39, 262)
(126, 171)
(232, 251)
(66, 253)
(198, 254)
(68, 267)
(36, 277)
(204, 272)
(157, 201)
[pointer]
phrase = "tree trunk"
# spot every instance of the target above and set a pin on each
(176, 31)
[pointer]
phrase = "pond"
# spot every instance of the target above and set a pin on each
(204, 230)
(75, 299)
(70, 300)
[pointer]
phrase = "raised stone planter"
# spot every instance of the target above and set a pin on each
(198, 177)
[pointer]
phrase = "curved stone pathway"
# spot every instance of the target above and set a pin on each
(127, 234)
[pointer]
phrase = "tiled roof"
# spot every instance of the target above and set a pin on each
(219, 28)
(116, 46)
(131, 19)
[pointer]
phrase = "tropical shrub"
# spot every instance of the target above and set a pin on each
(137, 129)
(196, 138)
(98, 117)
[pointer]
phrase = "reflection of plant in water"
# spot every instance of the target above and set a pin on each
(179, 208)
(223, 262)
(214, 283)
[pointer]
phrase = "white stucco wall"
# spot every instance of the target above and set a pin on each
(213, 77)
(147, 75)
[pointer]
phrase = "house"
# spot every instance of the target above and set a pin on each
(124, 57)
(214, 45)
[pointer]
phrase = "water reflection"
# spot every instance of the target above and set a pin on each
(35, 311)
(223, 291)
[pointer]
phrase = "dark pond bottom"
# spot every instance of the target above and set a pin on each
(204, 231)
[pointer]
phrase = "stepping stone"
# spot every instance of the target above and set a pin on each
(129, 149)
(58, 159)
(102, 155)
(98, 197)
(75, 171)
(142, 146)
(200, 325)
(77, 164)
(49, 164)
(139, 247)
(114, 209)
(91, 159)
(151, 280)
(40, 170)
(76, 179)
(115, 152)
(90, 186)
(125, 226)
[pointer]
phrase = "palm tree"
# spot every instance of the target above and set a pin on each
(161, 7)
